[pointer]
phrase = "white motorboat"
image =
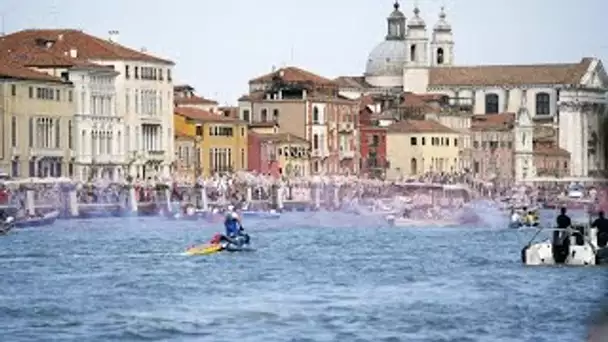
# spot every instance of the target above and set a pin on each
(405, 222)
(575, 246)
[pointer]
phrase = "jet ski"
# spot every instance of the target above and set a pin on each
(240, 243)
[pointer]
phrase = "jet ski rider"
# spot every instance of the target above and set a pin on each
(234, 226)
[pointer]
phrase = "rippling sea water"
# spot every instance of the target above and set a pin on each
(313, 277)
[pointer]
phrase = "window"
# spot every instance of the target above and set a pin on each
(264, 115)
(199, 131)
(543, 104)
(243, 166)
(423, 142)
(31, 92)
(315, 115)
(491, 103)
(412, 53)
(315, 141)
(127, 74)
(136, 72)
(413, 141)
(70, 132)
(221, 131)
(31, 131)
(455, 142)
(242, 131)
(375, 140)
(13, 90)
(70, 96)
(58, 95)
(275, 115)
(14, 131)
(169, 75)
(414, 166)
(160, 75)
(57, 133)
(447, 141)
(440, 56)
(246, 115)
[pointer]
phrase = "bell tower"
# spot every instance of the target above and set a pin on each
(442, 44)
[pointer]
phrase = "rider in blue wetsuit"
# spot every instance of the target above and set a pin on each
(234, 227)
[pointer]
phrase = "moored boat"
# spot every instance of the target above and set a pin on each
(39, 221)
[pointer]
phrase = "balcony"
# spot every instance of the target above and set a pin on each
(347, 154)
(155, 155)
(346, 127)
(47, 152)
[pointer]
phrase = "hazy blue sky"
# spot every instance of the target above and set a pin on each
(219, 45)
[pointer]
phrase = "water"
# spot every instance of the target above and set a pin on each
(128, 280)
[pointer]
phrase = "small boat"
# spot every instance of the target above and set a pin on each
(44, 220)
(577, 246)
(405, 222)
(260, 214)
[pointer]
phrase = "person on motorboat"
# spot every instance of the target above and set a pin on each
(515, 218)
(601, 223)
(531, 219)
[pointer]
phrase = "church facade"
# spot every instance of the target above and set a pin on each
(569, 99)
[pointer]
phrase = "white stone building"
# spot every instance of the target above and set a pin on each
(97, 127)
(569, 97)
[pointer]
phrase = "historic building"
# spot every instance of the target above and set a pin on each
(35, 122)
(307, 106)
(221, 141)
(566, 97)
(185, 96)
(372, 139)
(418, 146)
(140, 100)
(278, 154)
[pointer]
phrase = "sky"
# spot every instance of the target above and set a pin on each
(219, 45)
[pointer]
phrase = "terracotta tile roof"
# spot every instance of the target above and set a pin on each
(202, 115)
(12, 70)
(567, 73)
(356, 82)
(283, 138)
(230, 111)
(34, 56)
(419, 126)
(193, 100)
(87, 46)
(493, 122)
(294, 74)
(183, 136)
(550, 151)
(411, 100)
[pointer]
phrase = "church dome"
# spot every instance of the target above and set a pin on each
(387, 59)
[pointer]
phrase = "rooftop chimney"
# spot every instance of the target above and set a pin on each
(113, 36)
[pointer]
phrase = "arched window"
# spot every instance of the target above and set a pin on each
(264, 115)
(414, 166)
(315, 115)
(491, 103)
(275, 115)
(440, 56)
(413, 53)
(543, 104)
(315, 142)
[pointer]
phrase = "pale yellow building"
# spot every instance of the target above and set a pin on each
(418, 146)
(222, 142)
(36, 128)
